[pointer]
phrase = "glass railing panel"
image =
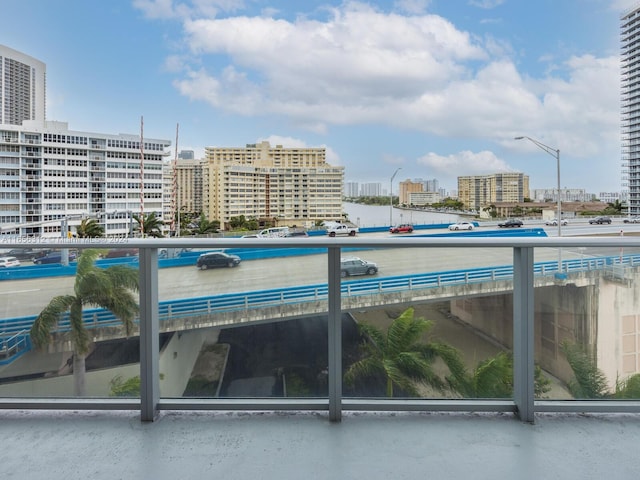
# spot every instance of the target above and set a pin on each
(587, 326)
(433, 323)
(48, 360)
(244, 323)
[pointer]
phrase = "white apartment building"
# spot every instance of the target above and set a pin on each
(424, 198)
(50, 174)
(351, 189)
(52, 177)
(285, 186)
(567, 195)
(22, 87)
(630, 126)
(372, 189)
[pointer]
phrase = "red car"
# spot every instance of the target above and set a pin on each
(403, 228)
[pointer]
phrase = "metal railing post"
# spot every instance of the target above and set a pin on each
(149, 334)
(335, 335)
(523, 346)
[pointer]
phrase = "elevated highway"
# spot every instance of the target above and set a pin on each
(225, 310)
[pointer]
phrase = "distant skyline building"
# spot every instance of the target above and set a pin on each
(186, 155)
(22, 87)
(477, 191)
(630, 84)
(568, 195)
(406, 188)
(373, 189)
(351, 189)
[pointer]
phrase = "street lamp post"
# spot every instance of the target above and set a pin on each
(554, 152)
(391, 196)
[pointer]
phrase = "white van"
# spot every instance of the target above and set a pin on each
(274, 232)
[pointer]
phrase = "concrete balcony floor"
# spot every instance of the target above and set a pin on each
(198, 445)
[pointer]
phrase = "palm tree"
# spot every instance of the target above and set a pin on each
(151, 225)
(403, 359)
(493, 378)
(111, 288)
(89, 228)
(204, 226)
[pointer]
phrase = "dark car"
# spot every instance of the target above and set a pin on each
(512, 222)
(356, 266)
(53, 257)
(403, 228)
(217, 259)
(600, 221)
(24, 253)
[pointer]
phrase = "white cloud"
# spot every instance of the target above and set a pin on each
(419, 72)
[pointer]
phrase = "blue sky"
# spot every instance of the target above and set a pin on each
(437, 87)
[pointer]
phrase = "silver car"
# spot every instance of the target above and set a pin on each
(357, 266)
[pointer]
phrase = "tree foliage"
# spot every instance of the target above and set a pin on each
(151, 225)
(204, 226)
(402, 359)
(89, 228)
(493, 378)
(111, 288)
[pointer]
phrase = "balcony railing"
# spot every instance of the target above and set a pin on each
(522, 276)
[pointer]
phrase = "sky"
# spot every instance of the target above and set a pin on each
(437, 88)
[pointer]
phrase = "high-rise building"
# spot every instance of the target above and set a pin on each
(285, 186)
(478, 191)
(22, 87)
(371, 189)
(52, 177)
(186, 155)
(408, 187)
(351, 189)
(182, 190)
(630, 70)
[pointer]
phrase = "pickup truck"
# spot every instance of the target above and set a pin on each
(341, 229)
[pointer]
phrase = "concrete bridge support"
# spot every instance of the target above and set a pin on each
(600, 313)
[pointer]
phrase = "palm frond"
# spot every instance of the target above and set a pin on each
(86, 261)
(48, 318)
(79, 335)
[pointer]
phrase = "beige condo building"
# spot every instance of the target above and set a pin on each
(406, 189)
(478, 191)
(283, 186)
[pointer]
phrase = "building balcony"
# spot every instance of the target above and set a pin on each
(281, 332)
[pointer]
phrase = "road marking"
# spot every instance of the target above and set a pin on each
(21, 291)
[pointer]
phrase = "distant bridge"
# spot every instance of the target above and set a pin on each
(232, 309)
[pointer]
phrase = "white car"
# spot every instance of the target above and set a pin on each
(461, 226)
(554, 222)
(9, 262)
